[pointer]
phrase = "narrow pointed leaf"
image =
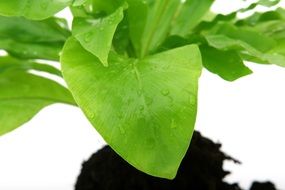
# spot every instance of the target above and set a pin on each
(32, 9)
(144, 108)
(150, 22)
(189, 15)
(247, 51)
(10, 63)
(33, 39)
(22, 95)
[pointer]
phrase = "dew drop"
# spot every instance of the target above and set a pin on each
(141, 108)
(148, 101)
(129, 101)
(192, 99)
(44, 5)
(122, 130)
(165, 92)
(173, 124)
(25, 52)
(166, 67)
(140, 92)
(88, 37)
(90, 114)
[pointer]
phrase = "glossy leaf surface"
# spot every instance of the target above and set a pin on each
(144, 108)
(96, 35)
(227, 64)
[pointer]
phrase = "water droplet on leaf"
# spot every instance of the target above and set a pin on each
(90, 114)
(173, 124)
(141, 108)
(44, 5)
(148, 101)
(122, 130)
(88, 37)
(165, 92)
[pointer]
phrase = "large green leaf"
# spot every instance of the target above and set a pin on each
(227, 64)
(33, 39)
(9, 63)
(22, 95)
(145, 109)
(247, 51)
(96, 35)
(249, 36)
(32, 9)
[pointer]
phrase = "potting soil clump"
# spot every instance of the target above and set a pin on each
(201, 169)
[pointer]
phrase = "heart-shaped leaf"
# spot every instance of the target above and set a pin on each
(144, 108)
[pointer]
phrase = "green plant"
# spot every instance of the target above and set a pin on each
(132, 66)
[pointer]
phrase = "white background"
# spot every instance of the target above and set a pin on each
(247, 116)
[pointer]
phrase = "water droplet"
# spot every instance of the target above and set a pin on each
(141, 108)
(192, 99)
(166, 66)
(122, 130)
(88, 37)
(129, 101)
(90, 114)
(148, 101)
(165, 92)
(173, 124)
(170, 99)
(140, 92)
(25, 52)
(44, 5)
(111, 20)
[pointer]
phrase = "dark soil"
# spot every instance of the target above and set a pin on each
(201, 169)
(262, 186)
